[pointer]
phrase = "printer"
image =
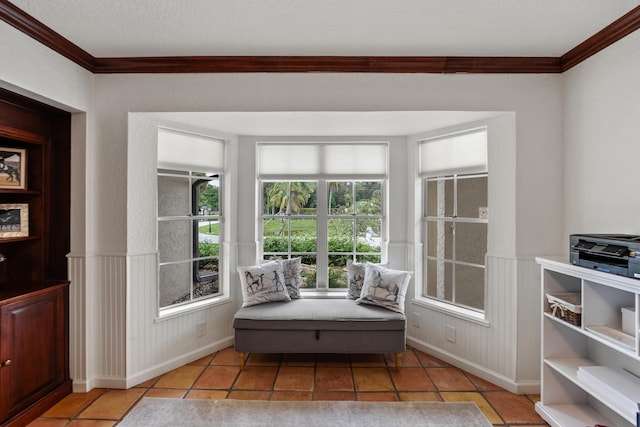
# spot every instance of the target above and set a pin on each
(611, 253)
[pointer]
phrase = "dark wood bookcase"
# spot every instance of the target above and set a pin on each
(34, 325)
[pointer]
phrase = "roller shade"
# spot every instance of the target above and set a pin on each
(189, 152)
(463, 153)
(322, 160)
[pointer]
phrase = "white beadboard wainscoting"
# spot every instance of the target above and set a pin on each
(117, 341)
(505, 349)
(116, 338)
(97, 321)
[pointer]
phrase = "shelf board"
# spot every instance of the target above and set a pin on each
(569, 369)
(20, 192)
(613, 337)
(17, 239)
(566, 415)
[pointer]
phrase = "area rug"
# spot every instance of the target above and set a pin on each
(159, 412)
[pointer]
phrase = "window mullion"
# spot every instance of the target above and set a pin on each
(322, 239)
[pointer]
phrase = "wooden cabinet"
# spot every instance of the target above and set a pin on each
(33, 353)
(34, 241)
(590, 362)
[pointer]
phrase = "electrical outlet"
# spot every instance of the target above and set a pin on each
(201, 329)
(450, 333)
(417, 320)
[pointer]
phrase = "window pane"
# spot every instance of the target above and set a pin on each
(440, 197)
(275, 227)
(439, 279)
(174, 283)
(289, 198)
(273, 194)
(274, 244)
(208, 230)
(369, 234)
(440, 239)
(376, 259)
(303, 228)
(338, 277)
(173, 196)
(308, 271)
(472, 195)
(207, 193)
(174, 242)
(207, 281)
(369, 198)
(471, 242)
(470, 286)
(340, 197)
(341, 235)
(303, 235)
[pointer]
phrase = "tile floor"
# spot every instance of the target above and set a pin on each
(301, 377)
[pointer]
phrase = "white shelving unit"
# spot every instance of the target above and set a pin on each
(566, 399)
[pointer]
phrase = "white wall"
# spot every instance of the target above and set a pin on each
(602, 142)
(534, 99)
(109, 265)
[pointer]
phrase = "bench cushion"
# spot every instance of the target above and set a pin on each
(318, 314)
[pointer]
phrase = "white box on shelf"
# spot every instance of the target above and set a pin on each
(629, 320)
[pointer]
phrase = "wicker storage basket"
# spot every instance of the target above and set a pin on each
(566, 306)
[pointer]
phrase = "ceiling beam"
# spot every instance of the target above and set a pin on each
(330, 64)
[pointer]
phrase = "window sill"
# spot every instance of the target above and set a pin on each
(339, 294)
(171, 313)
(452, 310)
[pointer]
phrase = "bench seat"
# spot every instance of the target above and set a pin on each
(319, 326)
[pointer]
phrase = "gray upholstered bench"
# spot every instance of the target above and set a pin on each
(319, 326)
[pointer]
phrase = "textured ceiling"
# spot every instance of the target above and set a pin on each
(119, 28)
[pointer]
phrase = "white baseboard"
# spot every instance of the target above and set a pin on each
(152, 372)
(526, 387)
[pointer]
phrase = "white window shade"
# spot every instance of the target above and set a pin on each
(322, 160)
(189, 152)
(456, 154)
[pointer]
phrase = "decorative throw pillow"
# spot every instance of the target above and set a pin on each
(355, 273)
(292, 279)
(263, 283)
(384, 287)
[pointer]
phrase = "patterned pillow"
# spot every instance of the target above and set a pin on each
(355, 272)
(291, 270)
(263, 283)
(384, 287)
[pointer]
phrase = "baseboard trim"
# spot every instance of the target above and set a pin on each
(525, 387)
(152, 372)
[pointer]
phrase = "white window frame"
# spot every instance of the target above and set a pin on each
(322, 162)
(187, 156)
(466, 155)
(322, 218)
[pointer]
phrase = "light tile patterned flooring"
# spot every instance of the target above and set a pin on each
(302, 377)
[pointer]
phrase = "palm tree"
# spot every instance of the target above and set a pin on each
(289, 197)
(332, 186)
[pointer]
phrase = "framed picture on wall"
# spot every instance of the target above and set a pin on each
(13, 164)
(14, 220)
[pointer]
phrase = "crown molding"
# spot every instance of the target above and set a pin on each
(327, 64)
(330, 64)
(30, 26)
(610, 34)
